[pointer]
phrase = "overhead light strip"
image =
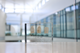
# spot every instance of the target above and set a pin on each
(41, 3)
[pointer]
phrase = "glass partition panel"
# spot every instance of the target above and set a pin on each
(12, 30)
(42, 27)
(58, 24)
(14, 33)
(70, 20)
(63, 24)
(71, 33)
(39, 30)
(32, 28)
(54, 24)
(78, 18)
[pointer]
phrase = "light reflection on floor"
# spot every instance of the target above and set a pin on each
(40, 47)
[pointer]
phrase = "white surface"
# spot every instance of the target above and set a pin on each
(56, 47)
(2, 24)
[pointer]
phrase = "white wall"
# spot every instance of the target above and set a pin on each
(2, 25)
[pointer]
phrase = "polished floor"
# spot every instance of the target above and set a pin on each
(40, 47)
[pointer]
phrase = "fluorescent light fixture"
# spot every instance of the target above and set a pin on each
(47, 0)
(68, 9)
(43, 2)
(9, 10)
(19, 10)
(40, 5)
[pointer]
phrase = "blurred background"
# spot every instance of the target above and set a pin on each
(49, 24)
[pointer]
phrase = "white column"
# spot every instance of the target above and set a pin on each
(2, 26)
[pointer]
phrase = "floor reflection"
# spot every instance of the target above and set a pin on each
(40, 47)
(25, 47)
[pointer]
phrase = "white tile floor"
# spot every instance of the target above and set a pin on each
(58, 47)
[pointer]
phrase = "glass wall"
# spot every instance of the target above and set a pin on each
(63, 24)
(78, 19)
(42, 27)
(12, 30)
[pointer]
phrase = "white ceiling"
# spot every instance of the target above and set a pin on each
(25, 3)
(50, 7)
(28, 4)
